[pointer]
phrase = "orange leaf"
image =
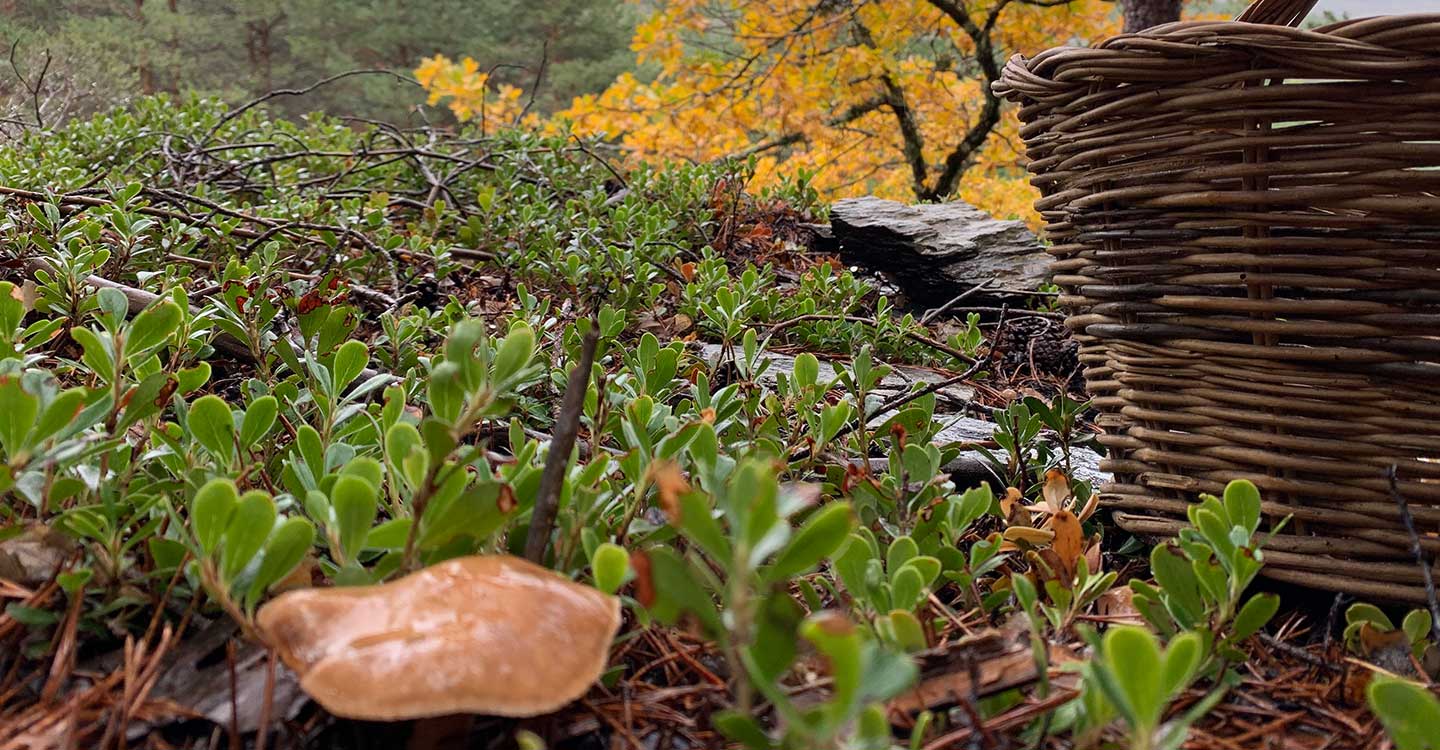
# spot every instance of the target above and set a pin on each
(1092, 555)
(1069, 542)
(644, 583)
(1374, 640)
(1118, 604)
(670, 484)
(1011, 501)
(1046, 563)
(1056, 490)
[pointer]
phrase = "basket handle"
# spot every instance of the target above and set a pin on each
(1277, 12)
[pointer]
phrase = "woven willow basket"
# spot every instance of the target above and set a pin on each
(1246, 223)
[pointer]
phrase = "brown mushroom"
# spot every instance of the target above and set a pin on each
(489, 634)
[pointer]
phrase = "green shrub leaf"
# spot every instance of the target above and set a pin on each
(210, 512)
(1242, 503)
(1182, 661)
(18, 410)
(213, 424)
(820, 536)
(1178, 583)
(64, 408)
(513, 354)
(900, 552)
(1409, 712)
(907, 588)
(259, 418)
(1364, 612)
(350, 361)
(152, 327)
(283, 552)
(245, 535)
(697, 520)
(1133, 658)
(355, 503)
(1254, 615)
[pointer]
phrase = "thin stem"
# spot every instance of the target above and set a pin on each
(1417, 551)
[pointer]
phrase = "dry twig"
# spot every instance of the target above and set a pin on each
(567, 426)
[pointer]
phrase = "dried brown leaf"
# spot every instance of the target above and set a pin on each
(1056, 490)
(670, 484)
(1069, 543)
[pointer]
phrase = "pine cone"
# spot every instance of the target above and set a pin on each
(1038, 341)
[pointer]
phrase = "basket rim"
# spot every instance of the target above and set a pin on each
(1373, 48)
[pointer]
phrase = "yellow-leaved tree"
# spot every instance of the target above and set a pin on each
(888, 97)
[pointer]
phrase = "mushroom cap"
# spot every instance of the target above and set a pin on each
(487, 634)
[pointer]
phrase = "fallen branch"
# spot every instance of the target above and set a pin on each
(894, 403)
(271, 227)
(1015, 717)
(957, 299)
(1300, 654)
(567, 426)
(139, 299)
(912, 335)
(267, 96)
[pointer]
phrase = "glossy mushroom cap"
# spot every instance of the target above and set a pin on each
(488, 634)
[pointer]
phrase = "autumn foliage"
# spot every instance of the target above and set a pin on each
(889, 97)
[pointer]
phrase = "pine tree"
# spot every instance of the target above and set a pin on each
(112, 51)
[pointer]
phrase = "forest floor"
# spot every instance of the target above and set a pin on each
(302, 289)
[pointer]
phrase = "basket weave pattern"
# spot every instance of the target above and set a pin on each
(1246, 223)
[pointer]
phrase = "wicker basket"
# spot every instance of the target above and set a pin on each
(1246, 221)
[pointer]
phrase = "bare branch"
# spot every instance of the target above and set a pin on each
(539, 79)
(851, 114)
(31, 88)
(1426, 565)
(267, 96)
(912, 140)
(962, 156)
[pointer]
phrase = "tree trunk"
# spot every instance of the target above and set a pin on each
(259, 47)
(1142, 14)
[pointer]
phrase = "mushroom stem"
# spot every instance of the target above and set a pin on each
(441, 732)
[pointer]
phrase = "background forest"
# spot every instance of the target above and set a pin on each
(884, 98)
(854, 97)
(105, 53)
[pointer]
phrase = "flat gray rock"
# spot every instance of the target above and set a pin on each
(936, 251)
(900, 380)
(970, 467)
(951, 402)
